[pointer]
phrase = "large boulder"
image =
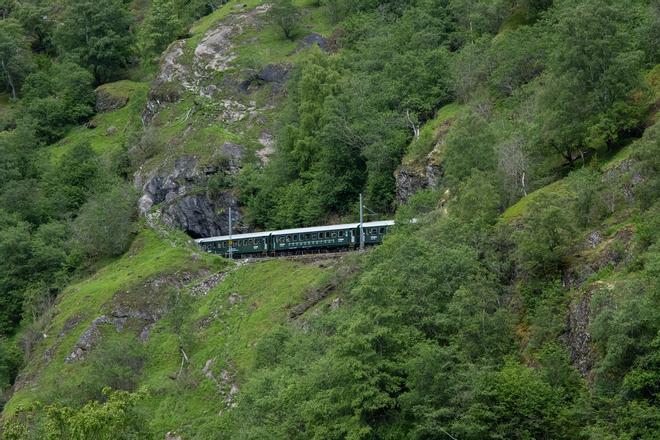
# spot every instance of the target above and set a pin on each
(180, 192)
(106, 101)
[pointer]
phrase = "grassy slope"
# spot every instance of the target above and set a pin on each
(419, 149)
(267, 289)
(225, 334)
(201, 132)
(213, 328)
(110, 130)
(148, 257)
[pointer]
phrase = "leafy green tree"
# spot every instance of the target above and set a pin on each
(97, 36)
(593, 68)
(115, 418)
(104, 225)
(469, 146)
(286, 17)
(545, 238)
(69, 183)
(55, 98)
(15, 56)
(15, 269)
(39, 24)
(162, 25)
(625, 333)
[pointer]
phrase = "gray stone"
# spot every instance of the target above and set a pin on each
(182, 196)
(594, 239)
(578, 336)
(107, 102)
(274, 73)
(312, 39)
(410, 179)
(234, 298)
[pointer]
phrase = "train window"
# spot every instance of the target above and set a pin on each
(288, 238)
(306, 236)
(295, 237)
(382, 231)
(313, 236)
(341, 233)
(373, 231)
(333, 235)
(321, 234)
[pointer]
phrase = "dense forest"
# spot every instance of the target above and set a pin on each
(523, 302)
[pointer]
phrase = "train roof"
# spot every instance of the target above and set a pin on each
(315, 229)
(378, 224)
(235, 237)
(333, 227)
(265, 234)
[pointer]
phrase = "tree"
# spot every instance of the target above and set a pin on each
(15, 269)
(96, 35)
(286, 17)
(161, 26)
(104, 225)
(545, 238)
(55, 98)
(69, 183)
(594, 67)
(115, 418)
(15, 56)
(469, 147)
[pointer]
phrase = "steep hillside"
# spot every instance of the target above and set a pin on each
(516, 143)
(165, 318)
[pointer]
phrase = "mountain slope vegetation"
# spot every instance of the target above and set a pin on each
(516, 142)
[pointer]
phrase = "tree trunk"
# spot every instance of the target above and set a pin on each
(9, 80)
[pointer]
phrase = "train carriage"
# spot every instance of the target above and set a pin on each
(238, 244)
(374, 232)
(300, 240)
(333, 237)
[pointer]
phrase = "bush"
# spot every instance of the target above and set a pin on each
(104, 226)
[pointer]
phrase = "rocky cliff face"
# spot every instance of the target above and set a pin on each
(180, 192)
(416, 174)
(203, 84)
(412, 178)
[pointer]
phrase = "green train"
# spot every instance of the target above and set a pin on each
(297, 241)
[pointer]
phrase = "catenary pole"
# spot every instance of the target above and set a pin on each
(361, 224)
(231, 243)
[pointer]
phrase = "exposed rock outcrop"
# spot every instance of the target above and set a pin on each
(410, 179)
(596, 253)
(188, 191)
(578, 337)
(215, 53)
(107, 102)
(182, 196)
(427, 172)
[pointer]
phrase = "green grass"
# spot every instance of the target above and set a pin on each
(225, 333)
(212, 328)
(518, 209)
(202, 26)
(150, 256)
(111, 129)
(428, 137)
(194, 125)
